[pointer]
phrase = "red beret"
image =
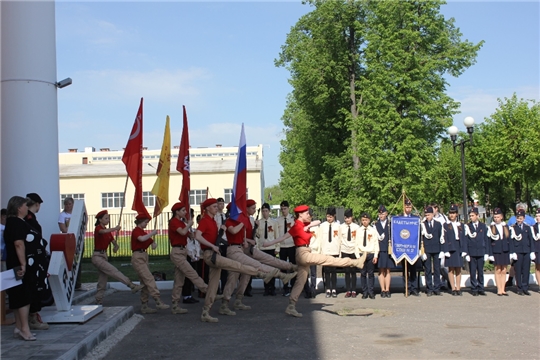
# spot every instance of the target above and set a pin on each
(100, 214)
(177, 206)
(301, 208)
(206, 203)
(142, 217)
(250, 202)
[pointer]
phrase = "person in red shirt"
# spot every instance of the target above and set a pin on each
(207, 234)
(103, 237)
(304, 257)
(178, 236)
(140, 241)
(239, 250)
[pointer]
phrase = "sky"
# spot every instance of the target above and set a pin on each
(217, 59)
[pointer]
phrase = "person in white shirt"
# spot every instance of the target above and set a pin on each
(349, 247)
(368, 244)
(330, 240)
(287, 250)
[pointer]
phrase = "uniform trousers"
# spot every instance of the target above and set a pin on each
(269, 288)
(411, 275)
(269, 258)
(139, 261)
(215, 272)
(350, 274)
(433, 276)
(330, 276)
(224, 273)
(106, 269)
(236, 253)
(310, 288)
(522, 268)
(183, 269)
(367, 277)
(290, 255)
(477, 273)
(305, 258)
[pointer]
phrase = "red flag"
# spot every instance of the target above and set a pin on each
(133, 159)
(182, 165)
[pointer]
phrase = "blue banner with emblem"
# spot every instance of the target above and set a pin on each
(405, 238)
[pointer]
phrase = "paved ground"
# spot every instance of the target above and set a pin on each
(404, 328)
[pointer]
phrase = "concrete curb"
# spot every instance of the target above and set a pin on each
(79, 350)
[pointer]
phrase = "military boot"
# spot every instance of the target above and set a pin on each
(291, 309)
(145, 309)
(160, 305)
(35, 322)
(287, 277)
(238, 303)
(224, 308)
(135, 288)
(176, 309)
(205, 316)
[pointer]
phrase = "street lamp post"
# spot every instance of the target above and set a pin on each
(453, 131)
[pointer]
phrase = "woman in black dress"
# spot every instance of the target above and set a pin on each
(18, 237)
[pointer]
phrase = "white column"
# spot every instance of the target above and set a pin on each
(29, 124)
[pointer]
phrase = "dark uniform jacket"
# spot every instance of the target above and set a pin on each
(451, 241)
(503, 243)
(525, 245)
(478, 245)
(433, 245)
(383, 244)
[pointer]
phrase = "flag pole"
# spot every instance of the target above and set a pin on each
(123, 201)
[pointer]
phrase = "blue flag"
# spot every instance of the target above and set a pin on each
(405, 238)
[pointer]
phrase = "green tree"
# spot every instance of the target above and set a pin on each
(506, 165)
(369, 105)
(275, 193)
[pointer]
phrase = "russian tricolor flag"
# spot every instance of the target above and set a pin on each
(238, 203)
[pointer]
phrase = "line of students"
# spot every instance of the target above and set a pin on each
(348, 245)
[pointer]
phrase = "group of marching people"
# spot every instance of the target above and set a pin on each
(251, 249)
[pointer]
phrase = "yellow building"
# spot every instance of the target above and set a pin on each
(99, 177)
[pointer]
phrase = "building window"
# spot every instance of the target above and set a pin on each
(228, 195)
(196, 197)
(149, 199)
(74, 196)
(112, 200)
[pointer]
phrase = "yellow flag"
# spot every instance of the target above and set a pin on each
(161, 187)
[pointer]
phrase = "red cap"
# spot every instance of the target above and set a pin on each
(100, 214)
(250, 202)
(177, 206)
(301, 208)
(206, 203)
(142, 217)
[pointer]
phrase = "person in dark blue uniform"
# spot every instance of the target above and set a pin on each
(499, 249)
(385, 262)
(536, 237)
(476, 247)
(454, 234)
(432, 243)
(521, 247)
(412, 276)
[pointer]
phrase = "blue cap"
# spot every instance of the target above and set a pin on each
(382, 209)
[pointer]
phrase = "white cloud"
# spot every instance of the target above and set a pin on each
(481, 103)
(159, 85)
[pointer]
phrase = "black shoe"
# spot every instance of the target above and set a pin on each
(482, 293)
(287, 293)
(365, 296)
(266, 293)
(505, 294)
(454, 293)
(415, 293)
(474, 293)
(372, 296)
(190, 300)
(248, 294)
(334, 294)
(383, 294)
(429, 293)
(520, 293)
(328, 293)
(388, 295)
(526, 292)
(459, 293)
(437, 293)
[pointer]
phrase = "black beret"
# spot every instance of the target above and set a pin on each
(366, 215)
(348, 213)
(331, 211)
(284, 203)
(34, 197)
(265, 206)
